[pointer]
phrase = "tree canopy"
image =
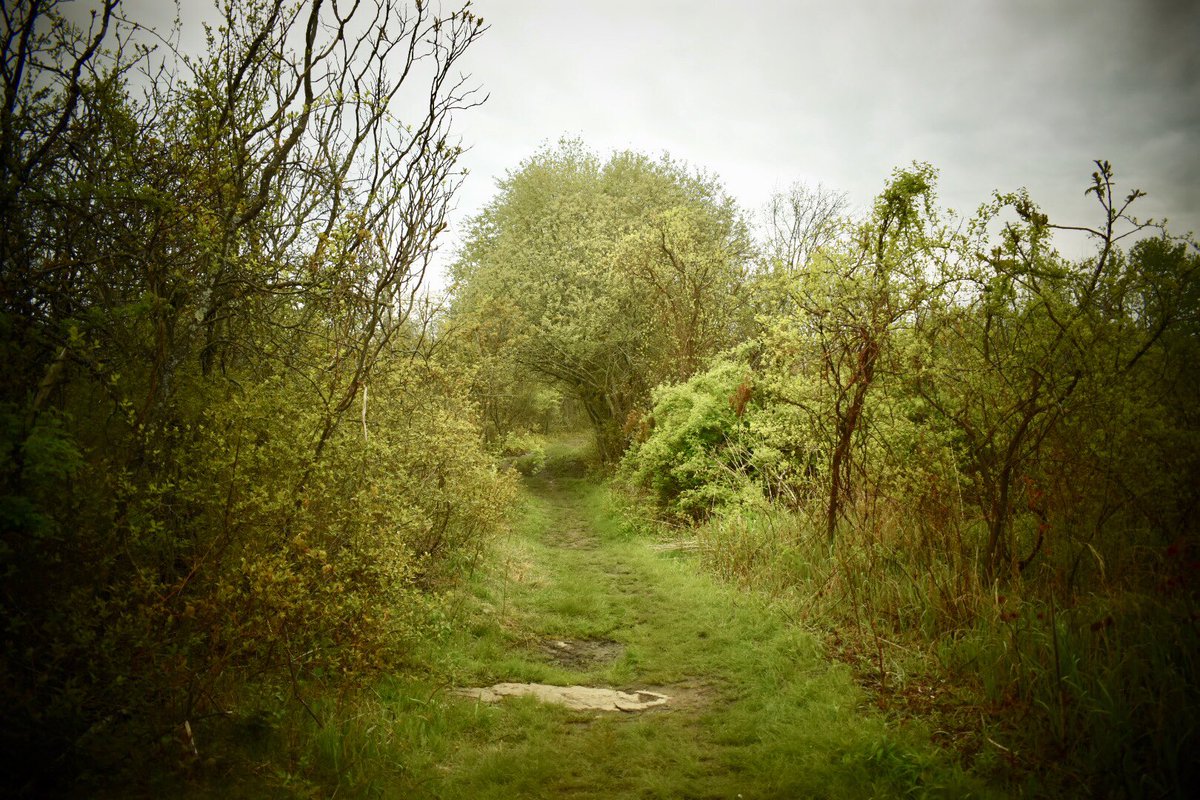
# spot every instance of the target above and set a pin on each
(609, 277)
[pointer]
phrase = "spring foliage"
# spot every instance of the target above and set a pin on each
(970, 420)
(238, 456)
(601, 280)
(227, 456)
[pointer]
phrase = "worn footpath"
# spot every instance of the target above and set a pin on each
(751, 706)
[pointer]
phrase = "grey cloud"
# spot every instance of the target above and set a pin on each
(997, 95)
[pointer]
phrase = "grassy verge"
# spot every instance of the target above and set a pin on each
(1046, 691)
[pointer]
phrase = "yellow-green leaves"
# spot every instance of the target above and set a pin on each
(616, 275)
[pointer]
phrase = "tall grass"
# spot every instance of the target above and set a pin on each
(1066, 691)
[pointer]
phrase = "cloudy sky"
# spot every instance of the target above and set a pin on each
(996, 94)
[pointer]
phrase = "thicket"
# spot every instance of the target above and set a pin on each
(231, 464)
(970, 459)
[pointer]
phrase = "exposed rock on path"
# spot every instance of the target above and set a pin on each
(579, 698)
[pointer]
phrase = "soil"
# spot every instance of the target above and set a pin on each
(580, 654)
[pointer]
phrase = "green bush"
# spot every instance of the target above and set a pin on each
(231, 462)
(525, 451)
(722, 440)
(231, 559)
(696, 456)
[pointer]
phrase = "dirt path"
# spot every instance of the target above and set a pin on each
(755, 709)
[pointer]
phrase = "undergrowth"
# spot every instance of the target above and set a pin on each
(1054, 692)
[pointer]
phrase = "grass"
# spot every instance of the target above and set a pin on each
(1047, 691)
(758, 710)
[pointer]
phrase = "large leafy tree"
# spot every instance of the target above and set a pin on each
(615, 276)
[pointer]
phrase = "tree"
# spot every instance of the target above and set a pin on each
(799, 223)
(1035, 352)
(846, 306)
(618, 275)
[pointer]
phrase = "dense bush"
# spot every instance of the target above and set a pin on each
(526, 452)
(976, 451)
(230, 460)
(694, 453)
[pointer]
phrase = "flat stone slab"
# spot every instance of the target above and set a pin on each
(580, 698)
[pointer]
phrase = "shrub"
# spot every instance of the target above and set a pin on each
(693, 458)
(526, 452)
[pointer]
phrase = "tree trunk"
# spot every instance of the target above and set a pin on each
(860, 384)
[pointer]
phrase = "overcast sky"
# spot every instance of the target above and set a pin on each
(996, 95)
